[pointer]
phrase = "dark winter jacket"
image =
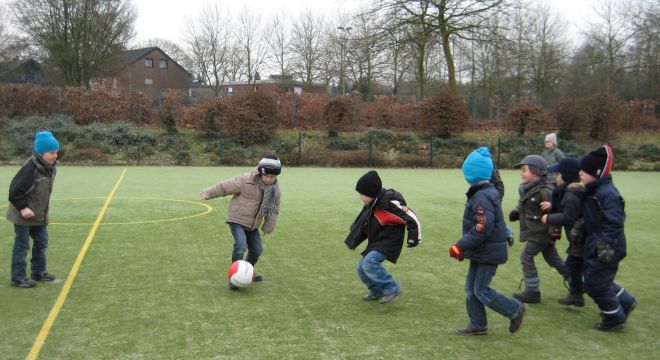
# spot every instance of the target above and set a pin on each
(384, 222)
(567, 212)
(529, 212)
(484, 230)
(31, 188)
(603, 214)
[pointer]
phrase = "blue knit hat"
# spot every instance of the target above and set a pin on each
(44, 142)
(569, 168)
(478, 166)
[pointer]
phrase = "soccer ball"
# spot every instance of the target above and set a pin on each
(240, 273)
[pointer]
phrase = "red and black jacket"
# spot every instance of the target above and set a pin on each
(384, 222)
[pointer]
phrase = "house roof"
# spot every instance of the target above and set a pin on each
(134, 55)
(9, 66)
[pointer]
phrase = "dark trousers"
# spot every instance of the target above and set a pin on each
(550, 255)
(575, 267)
(613, 301)
(39, 235)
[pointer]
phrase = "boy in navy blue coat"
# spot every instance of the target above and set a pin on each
(605, 245)
(484, 242)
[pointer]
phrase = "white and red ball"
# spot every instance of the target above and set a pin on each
(240, 273)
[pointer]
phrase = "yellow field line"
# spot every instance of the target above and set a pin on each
(45, 329)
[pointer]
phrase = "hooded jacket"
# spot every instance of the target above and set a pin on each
(603, 214)
(484, 230)
(567, 206)
(31, 188)
(384, 222)
(246, 201)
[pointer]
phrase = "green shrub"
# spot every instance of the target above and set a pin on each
(649, 152)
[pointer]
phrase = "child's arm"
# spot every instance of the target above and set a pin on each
(483, 224)
(413, 226)
(223, 188)
(20, 185)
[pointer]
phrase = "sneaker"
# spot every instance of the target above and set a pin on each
(371, 297)
(516, 322)
(257, 277)
(470, 330)
(44, 276)
(572, 299)
(603, 327)
(24, 283)
(232, 287)
(387, 298)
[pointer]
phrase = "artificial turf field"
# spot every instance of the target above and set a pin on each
(152, 283)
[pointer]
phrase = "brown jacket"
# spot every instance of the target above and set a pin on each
(246, 201)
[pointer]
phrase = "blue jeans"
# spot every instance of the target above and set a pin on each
(479, 295)
(21, 247)
(373, 274)
(245, 239)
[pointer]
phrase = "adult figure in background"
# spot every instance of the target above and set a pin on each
(552, 154)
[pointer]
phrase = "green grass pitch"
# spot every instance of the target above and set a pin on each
(153, 282)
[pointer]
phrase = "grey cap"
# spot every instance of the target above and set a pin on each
(536, 162)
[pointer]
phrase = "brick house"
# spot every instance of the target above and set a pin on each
(148, 70)
(22, 71)
(275, 84)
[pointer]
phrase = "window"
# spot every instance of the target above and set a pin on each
(148, 62)
(229, 90)
(148, 81)
(163, 64)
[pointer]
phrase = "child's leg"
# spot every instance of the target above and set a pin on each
(553, 259)
(476, 309)
(373, 269)
(626, 300)
(254, 245)
(532, 292)
(374, 288)
(21, 248)
(598, 282)
(574, 268)
(40, 236)
(240, 241)
(487, 296)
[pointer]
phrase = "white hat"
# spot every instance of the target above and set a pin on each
(552, 137)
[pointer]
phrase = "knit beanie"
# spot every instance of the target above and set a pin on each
(598, 163)
(569, 168)
(478, 166)
(270, 164)
(369, 184)
(44, 142)
(552, 137)
(536, 164)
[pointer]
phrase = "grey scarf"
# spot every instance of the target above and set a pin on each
(268, 205)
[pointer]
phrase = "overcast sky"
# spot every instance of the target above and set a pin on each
(165, 18)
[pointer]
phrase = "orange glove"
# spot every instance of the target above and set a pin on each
(456, 252)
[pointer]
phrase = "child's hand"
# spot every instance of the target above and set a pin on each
(545, 206)
(27, 213)
(413, 242)
(544, 218)
(514, 215)
(203, 196)
(456, 252)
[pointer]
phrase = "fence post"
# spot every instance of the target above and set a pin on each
(300, 148)
(431, 153)
(293, 111)
(138, 148)
(370, 147)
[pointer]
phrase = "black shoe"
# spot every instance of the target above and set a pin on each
(387, 298)
(24, 283)
(44, 276)
(257, 277)
(528, 296)
(469, 330)
(603, 327)
(572, 299)
(232, 287)
(371, 297)
(630, 309)
(516, 322)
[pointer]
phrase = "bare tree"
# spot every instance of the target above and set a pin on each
(279, 44)
(307, 46)
(252, 40)
(207, 39)
(173, 50)
(78, 36)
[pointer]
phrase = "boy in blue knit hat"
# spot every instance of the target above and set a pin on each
(29, 198)
(484, 242)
